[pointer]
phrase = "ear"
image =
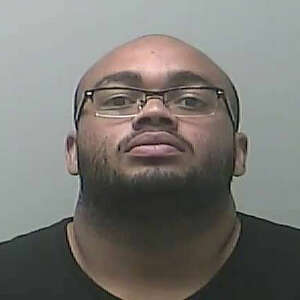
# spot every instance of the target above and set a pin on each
(241, 150)
(71, 153)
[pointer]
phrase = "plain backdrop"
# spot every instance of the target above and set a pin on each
(47, 45)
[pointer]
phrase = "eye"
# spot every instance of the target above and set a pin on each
(119, 101)
(191, 102)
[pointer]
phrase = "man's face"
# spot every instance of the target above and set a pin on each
(155, 144)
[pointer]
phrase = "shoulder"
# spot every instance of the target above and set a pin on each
(28, 257)
(33, 241)
(269, 245)
(268, 231)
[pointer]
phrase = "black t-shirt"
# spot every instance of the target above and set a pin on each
(265, 264)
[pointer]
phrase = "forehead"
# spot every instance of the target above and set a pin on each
(154, 59)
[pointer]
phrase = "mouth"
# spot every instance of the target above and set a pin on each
(154, 144)
(156, 150)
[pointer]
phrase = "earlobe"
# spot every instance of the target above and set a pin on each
(241, 150)
(71, 154)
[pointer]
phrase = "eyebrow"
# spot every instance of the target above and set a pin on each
(184, 77)
(125, 78)
(134, 79)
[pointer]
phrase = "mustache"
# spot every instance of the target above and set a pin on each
(122, 144)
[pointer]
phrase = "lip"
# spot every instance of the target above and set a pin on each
(159, 140)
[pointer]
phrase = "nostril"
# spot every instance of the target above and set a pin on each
(142, 122)
(165, 121)
(156, 121)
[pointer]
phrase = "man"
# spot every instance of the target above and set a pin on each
(156, 146)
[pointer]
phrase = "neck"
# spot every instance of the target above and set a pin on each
(188, 248)
(154, 220)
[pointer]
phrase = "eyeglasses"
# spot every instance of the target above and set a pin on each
(127, 102)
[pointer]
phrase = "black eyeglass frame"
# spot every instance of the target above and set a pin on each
(88, 95)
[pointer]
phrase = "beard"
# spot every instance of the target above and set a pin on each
(148, 200)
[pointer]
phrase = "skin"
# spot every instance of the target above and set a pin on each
(150, 248)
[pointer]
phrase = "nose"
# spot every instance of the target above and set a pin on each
(155, 115)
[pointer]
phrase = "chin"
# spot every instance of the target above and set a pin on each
(155, 173)
(155, 179)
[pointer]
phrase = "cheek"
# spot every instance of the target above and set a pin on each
(99, 134)
(113, 134)
(209, 140)
(203, 144)
(90, 139)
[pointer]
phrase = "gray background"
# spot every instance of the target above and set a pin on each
(47, 45)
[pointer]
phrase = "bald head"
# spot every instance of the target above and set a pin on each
(154, 56)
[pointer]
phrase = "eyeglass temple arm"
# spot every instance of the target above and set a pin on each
(221, 94)
(79, 108)
(230, 113)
